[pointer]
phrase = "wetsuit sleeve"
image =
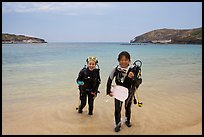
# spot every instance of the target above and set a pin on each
(109, 82)
(80, 76)
(97, 83)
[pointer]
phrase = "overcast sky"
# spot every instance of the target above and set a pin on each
(97, 21)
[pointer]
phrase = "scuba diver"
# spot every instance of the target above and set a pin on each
(88, 83)
(125, 75)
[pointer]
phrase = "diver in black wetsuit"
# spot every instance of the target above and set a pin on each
(88, 82)
(124, 77)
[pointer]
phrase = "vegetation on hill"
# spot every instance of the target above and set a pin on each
(173, 36)
(12, 38)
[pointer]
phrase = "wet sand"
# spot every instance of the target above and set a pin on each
(161, 113)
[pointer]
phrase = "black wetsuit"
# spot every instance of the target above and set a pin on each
(91, 81)
(127, 82)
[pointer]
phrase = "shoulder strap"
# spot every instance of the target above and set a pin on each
(85, 66)
(116, 70)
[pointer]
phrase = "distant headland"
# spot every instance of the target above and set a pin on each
(171, 36)
(19, 39)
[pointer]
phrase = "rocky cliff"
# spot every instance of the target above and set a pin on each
(14, 39)
(172, 36)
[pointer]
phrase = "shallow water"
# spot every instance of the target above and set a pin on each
(40, 94)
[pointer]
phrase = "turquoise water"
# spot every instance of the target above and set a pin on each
(37, 70)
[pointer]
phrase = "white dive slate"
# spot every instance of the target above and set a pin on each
(119, 92)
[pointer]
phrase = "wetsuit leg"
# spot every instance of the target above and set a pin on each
(118, 106)
(91, 103)
(128, 109)
(83, 97)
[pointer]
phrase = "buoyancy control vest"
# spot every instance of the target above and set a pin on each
(121, 78)
(91, 79)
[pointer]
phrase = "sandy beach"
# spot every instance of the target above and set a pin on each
(160, 114)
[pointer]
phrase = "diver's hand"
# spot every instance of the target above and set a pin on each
(94, 95)
(131, 75)
(110, 94)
